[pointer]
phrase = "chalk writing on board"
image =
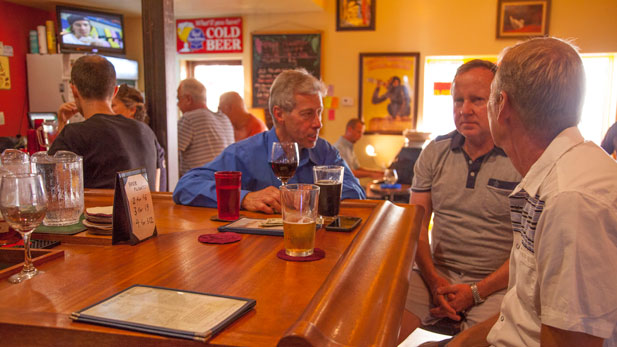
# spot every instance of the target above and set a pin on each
(273, 53)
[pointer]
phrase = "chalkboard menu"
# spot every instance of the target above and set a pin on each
(273, 53)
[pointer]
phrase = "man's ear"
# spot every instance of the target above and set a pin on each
(277, 112)
(115, 91)
(504, 107)
(75, 92)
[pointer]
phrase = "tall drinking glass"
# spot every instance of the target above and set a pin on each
(299, 203)
(329, 179)
(15, 161)
(284, 160)
(23, 203)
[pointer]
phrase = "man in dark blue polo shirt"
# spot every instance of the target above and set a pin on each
(464, 180)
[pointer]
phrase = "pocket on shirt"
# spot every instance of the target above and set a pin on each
(526, 276)
(496, 202)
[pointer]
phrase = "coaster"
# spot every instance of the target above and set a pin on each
(318, 253)
(220, 238)
(215, 218)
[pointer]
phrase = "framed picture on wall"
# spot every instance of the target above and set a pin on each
(355, 15)
(388, 96)
(522, 18)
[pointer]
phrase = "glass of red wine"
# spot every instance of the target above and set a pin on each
(23, 202)
(284, 160)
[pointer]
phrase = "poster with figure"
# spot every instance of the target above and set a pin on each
(355, 15)
(5, 73)
(388, 91)
(522, 18)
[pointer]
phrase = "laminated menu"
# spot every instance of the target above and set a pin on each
(167, 312)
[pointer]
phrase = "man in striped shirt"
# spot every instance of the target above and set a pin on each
(202, 134)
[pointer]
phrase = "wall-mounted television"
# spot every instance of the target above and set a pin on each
(84, 30)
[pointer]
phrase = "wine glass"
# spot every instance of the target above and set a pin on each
(23, 204)
(390, 176)
(284, 160)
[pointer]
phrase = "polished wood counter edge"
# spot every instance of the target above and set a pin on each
(283, 290)
(367, 288)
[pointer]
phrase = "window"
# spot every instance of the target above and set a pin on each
(598, 109)
(218, 77)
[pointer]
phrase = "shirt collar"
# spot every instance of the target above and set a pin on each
(305, 154)
(561, 144)
(458, 140)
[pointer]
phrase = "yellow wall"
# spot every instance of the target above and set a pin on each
(431, 27)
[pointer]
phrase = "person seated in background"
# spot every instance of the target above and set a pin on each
(81, 33)
(464, 179)
(562, 289)
(609, 143)
(353, 132)
(245, 124)
(202, 134)
(129, 102)
(295, 105)
(107, 142)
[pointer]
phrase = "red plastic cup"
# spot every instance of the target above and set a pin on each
(228, 194)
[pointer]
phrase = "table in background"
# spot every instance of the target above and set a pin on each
(37, 311)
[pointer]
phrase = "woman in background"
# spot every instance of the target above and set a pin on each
(129, 102)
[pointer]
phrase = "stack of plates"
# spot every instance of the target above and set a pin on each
(98, 220)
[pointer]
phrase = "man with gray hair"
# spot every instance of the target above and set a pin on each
(296, 106)
(562, 285)
(202, 134)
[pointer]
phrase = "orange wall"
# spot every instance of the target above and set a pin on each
(16, 21)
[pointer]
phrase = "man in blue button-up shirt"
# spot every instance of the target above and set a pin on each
(296, 106)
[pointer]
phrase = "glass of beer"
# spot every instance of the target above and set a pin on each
(329, 179)
(299, 203)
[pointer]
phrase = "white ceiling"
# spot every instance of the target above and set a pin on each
(190, 8)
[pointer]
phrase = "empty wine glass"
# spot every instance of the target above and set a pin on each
(390, 176)
(23, 204)
(284, 160)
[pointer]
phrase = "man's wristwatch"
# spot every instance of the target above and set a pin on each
(477, 299)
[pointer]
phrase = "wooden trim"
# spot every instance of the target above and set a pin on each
(367, 288)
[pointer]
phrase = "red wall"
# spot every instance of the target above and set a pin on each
(16, 21)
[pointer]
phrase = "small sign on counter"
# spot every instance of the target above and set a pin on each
(133, 216)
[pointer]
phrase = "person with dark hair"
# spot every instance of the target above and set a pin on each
(80, 33)
(353, 132)
(296, 106)
(400, 101)
(129, 102)
(609, 143)
(107, 142)
(464, 180)
(562, 288)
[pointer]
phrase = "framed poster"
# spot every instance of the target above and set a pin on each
(355, 15)
(388, 92)
(273, 53)
(522, 18)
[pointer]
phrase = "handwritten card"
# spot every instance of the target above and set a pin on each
(133, 217)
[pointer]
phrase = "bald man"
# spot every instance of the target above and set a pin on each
(245, 124)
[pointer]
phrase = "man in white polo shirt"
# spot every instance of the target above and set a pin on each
(562, 289)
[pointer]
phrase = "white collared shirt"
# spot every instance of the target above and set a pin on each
(563, 266)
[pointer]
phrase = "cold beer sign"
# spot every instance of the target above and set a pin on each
(209, 35)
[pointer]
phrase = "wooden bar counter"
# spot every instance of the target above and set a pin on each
(361, 283)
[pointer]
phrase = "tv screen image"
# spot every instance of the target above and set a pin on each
(90, 31)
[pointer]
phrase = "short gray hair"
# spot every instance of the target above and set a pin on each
(194, 88)
(544, 79)
(475, 63)
(291, 82)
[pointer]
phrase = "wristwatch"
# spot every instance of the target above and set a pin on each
(477, 299)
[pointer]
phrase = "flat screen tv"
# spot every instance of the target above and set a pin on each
(83, 30)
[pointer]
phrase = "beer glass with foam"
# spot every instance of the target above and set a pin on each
(299, 204)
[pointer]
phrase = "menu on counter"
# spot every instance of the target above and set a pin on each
(167, 312)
